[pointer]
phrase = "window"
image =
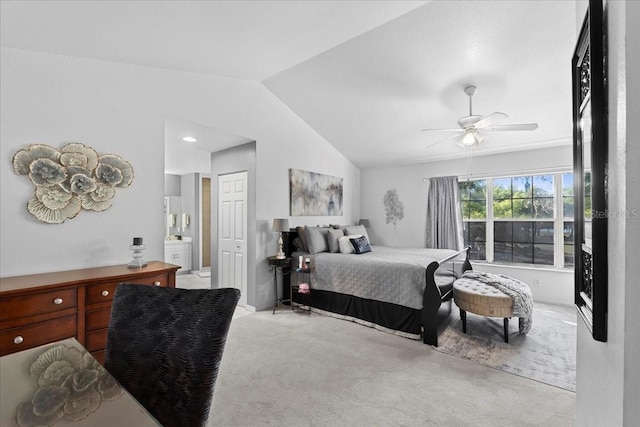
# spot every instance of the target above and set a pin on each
(518, 219)
(567, 214)
(473, 195)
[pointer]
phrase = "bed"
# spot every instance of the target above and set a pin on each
(398, 290)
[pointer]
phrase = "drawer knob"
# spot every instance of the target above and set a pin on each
(104, 293)
(157, 283)
(57, 301)
(18, 340)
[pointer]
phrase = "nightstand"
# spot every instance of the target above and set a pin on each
(283, 265)
(303, 299)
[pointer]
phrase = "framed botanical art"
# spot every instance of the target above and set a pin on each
(590, 171)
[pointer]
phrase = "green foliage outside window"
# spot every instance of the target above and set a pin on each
(587, 195)
(567, 195)
(523, 197)
(474, 199)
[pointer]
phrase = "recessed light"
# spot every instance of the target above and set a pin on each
(189, 139)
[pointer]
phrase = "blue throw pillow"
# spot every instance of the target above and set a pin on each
(360, 245)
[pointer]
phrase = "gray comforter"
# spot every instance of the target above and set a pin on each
(393, 275)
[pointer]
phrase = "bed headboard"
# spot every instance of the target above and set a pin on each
(288, 247)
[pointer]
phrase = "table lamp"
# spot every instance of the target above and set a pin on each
(280, 225)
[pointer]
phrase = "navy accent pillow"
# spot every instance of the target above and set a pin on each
(360, 245)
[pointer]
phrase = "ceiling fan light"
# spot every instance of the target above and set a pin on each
(469, 139)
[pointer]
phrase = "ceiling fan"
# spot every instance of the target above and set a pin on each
(473, 128)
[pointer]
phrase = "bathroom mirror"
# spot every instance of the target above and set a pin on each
(172, 215)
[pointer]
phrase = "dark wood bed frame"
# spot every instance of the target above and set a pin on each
(434, 295)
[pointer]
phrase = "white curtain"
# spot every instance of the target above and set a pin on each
(444, 217)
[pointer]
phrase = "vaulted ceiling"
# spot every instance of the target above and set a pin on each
(366, 75)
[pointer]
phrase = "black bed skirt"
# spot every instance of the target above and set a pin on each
(384, 314)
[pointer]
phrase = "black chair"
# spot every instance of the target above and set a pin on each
(164, 346)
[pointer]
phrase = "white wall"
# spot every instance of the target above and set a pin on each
(608, 374)
(172, 185)
(121, 109)
(554, 286)
(631, 391)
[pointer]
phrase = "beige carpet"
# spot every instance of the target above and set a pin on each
(546, 354)
(294, 369)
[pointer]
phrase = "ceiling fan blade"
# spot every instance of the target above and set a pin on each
(441, 130)
(449, 138)
(490, 119)
(520, 126)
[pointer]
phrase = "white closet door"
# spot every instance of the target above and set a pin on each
(232, 232)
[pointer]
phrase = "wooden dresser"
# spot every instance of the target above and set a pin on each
(40, 308)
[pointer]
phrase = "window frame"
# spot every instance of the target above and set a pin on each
(558, 218)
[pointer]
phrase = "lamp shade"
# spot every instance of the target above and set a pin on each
(280, 225)
(364, 222)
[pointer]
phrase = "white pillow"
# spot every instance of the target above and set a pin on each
(345, 244)
(356, 229)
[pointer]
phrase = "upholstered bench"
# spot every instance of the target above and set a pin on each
(479, 298)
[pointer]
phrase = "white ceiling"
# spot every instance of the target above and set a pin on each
(366, 75)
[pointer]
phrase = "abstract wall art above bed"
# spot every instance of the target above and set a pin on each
(314, 194)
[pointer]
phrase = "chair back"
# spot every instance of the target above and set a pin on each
(164, 345)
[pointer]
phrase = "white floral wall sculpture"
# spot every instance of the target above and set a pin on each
(71, 179)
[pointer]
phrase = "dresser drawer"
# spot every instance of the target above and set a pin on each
(104, 292)
(35, 334)
(96, 340)
(97, 319)
(37, 303)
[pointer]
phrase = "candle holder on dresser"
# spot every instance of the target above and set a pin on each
(137, 248)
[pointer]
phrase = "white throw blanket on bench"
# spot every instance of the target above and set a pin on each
(519, 292)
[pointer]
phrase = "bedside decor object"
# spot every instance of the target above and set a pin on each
(137, 248)
(303, 288)
(280, 225)
(70, 179)
(314, 194)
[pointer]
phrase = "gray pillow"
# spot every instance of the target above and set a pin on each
(316, 239)
(356, 229)
(332, 239)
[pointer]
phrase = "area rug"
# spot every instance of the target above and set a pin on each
(546, 354)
